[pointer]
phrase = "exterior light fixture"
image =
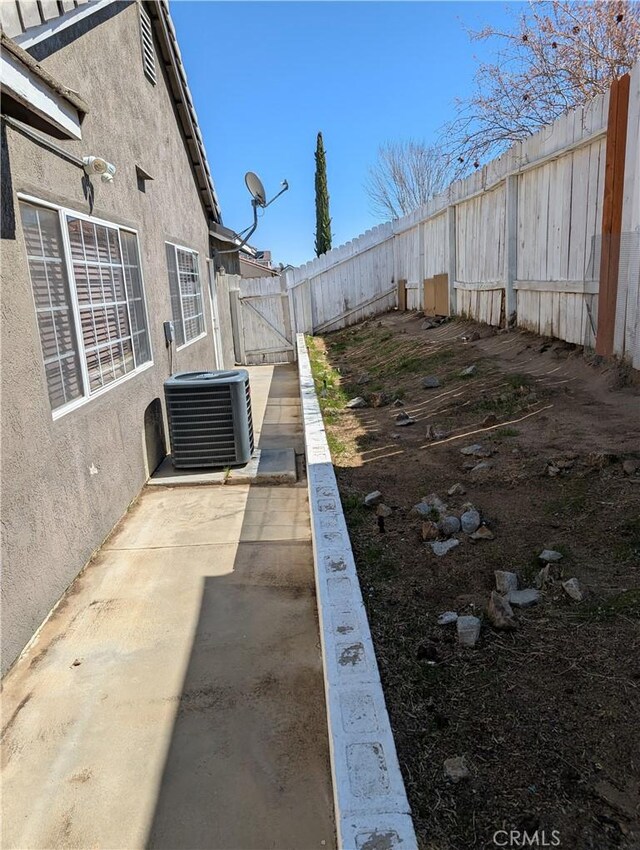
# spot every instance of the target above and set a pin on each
(97, 165)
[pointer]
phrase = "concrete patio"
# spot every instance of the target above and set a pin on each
(175, 697)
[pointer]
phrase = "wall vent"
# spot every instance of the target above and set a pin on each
(148, 53)
(209, 415)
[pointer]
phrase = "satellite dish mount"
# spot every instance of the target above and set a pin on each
(259, 199)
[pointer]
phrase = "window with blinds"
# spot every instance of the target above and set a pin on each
(54, 310)
(186, 294)
(89, 300)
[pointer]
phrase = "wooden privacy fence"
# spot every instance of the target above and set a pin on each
(527, 239)
(344, 286)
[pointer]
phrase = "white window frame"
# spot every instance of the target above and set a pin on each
(89, 395)
(196, 254)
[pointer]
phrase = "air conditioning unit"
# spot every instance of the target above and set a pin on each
(209, 417)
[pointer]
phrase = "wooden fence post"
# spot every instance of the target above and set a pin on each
(451, 266)
(289, 315)
(402, 295)
(511, 245)
(612, 214)
(236, 322)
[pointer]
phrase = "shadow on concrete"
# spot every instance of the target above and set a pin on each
(247, 766)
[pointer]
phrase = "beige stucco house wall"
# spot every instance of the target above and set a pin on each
(66, 482)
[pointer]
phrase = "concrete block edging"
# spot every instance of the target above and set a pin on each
(370, 801)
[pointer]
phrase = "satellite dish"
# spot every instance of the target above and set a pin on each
(254, 185)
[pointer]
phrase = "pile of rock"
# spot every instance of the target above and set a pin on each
(506, 597)
(440, 525)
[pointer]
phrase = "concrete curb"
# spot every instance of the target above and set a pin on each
(372, 811)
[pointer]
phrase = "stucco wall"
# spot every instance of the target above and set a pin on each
(55, 512)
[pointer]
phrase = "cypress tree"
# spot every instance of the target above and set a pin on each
(323, 220)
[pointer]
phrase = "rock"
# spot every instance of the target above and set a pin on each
(483, 533)
(398, 402)
(449, 525)
(484, 452)
(456, 769)
(372, 499)
(500, 613)
(430, 383)
(542, 578)
(430, 530)
(563, 463)
(524, 598)
(468, 506)
(548, 555)
(468, 628)
(441, 547)
(427, 325)
(630, 466)
(489, 420)
(505, 581)
(422, 510)
(572, 588)
(471, 450)
(477, 450)
(456, 490)
(552, 470)
(403, 419)
(447, 618)
(470, 521)
(470, 370)
(356, 403)
(434, 501)
(480, 467)
(379, 399)
(383, 510)
(364, 378)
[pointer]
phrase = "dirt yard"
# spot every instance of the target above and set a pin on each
(545, 715)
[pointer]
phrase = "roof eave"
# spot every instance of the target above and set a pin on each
(32, 95)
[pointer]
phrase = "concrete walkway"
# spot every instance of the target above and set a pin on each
(175, 698)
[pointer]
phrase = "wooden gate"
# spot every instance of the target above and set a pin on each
(261, 322)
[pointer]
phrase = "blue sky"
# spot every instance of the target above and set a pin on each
(266, 76)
